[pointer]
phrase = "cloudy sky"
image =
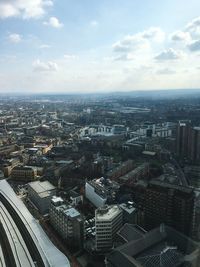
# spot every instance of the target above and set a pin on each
(98, 45)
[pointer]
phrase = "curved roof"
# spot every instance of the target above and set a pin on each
(50, 254)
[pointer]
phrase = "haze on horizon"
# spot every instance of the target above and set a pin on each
(69, 46)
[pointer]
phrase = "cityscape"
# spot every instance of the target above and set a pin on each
(105, 179)
(99, 133)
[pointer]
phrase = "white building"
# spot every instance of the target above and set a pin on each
(67, 221)
(103, 130)
(40, 193)
(95, 197)
(99, 190)
(156, 130)
(108, 220)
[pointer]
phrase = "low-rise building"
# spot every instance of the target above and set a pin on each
(130, 213)
(67, 221)
(142, 171)
(41, 193)
(75, 198)
(24, 173)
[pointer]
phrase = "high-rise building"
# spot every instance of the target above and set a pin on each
(183, 129)
(188, 141)
(108, 220)
(196, 221)
(169, 204)
(194, 144)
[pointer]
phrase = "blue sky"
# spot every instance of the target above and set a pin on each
(98, 45)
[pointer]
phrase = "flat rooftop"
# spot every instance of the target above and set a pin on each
(107, 213)
(72, 212)
(41, 187)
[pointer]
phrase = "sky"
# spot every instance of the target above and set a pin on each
(70, 46)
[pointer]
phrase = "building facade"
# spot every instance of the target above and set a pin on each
(169, 204)
(24, 173)
(67, 221)
(41, 193)
(188, 141)
(108, 220)
(100, 191)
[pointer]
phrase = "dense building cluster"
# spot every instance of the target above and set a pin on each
(114, 178)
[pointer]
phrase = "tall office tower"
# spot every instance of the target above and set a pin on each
(108, 220)
(194, 144)
(169, 204)
(182, 138)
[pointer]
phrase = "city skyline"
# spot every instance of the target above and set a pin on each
(98, 46)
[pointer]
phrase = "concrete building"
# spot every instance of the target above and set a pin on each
(24, 173)
(100, 191)
(75, 198)
(120, 170)
(108, 220)
(156, 130)
(196, 219)
(41, 193)
(194, 144)
(67, 221)
(130, 213)
(169, 204)
(141, 172)
(188, 141)
(192, 173)
(103, 130)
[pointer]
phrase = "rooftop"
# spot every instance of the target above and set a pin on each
(130, 232)
(72, 212)
(41, 187)
(107, 213)
(179, 188)
(129, 208)
(161, 247)
(67, 210)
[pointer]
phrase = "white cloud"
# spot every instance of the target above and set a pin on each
(154, 34)
(44, 66)
(181, 36)
(15, 38)
(194, 46)
(53, 22)
(130, 43)
(71, 57)
(23, 8)
(170, 54)
(139, 40)
(194, 25)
